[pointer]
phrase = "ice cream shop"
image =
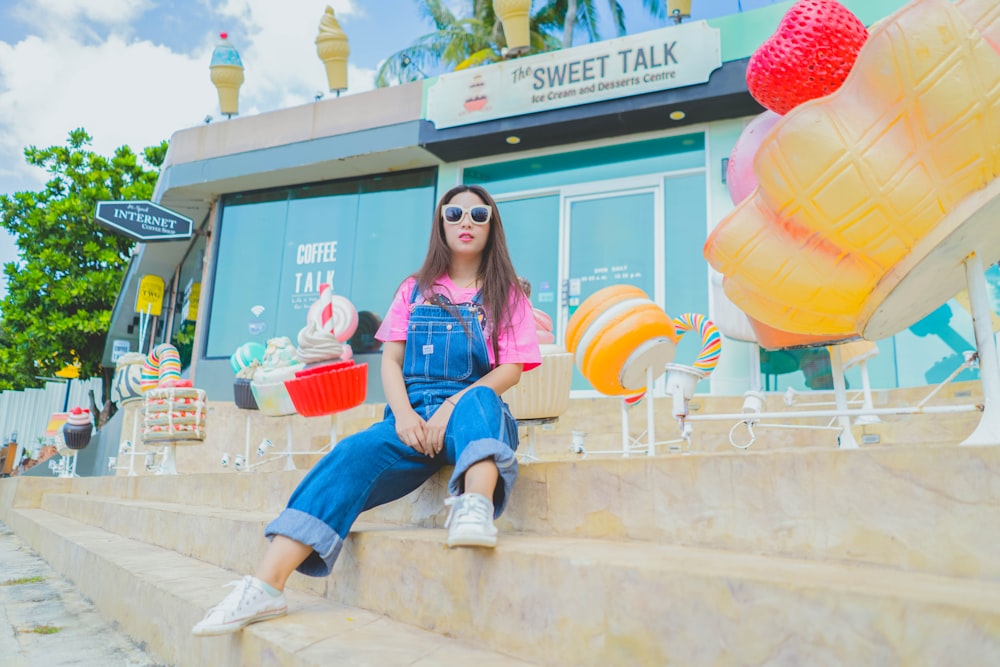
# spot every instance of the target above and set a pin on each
(611, 165)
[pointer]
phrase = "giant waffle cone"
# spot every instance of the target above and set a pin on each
(869, 199)
(334, 53)
(514, 15)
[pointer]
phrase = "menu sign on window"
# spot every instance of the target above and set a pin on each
(673, 57)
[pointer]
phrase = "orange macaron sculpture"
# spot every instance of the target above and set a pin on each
(616, 334)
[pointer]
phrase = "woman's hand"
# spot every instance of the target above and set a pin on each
(435, 427)
(411, 429)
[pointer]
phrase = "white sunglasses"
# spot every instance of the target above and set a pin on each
(479, 215)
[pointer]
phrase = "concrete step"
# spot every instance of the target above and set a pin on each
(549, 600)
(156, 595)
(917, 509)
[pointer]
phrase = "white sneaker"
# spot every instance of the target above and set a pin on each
(470, 521)
(246, 604)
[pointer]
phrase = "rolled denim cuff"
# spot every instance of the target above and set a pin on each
(308, 530)
(502, 455)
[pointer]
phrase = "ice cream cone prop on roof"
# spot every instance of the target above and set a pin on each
(514, 14)
(227, 75)
(332, 49)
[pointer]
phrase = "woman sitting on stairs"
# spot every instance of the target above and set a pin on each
(458, 334)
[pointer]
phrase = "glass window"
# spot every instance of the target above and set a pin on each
(532, 230)
(277, 248)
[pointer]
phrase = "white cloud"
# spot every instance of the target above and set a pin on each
(133, 93)
(40, 13)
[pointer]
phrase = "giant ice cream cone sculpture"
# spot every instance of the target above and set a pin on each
(514, 16)
(227, 75)
(332, 49)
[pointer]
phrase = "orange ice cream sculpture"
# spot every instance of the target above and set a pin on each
(869, 199)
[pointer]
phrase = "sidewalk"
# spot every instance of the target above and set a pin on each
(45, 622)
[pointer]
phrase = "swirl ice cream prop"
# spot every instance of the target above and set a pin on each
(330, 382)
(886, 186)
(126, 385)
(618, 333)
(543, 392)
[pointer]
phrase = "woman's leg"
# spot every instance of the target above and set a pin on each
(481, 439)
(283, 555)
(364, 470)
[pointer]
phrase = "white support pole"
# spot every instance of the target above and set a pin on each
(626, 435)
(246, 448)
(651, 449)
(846, 440)
(169, 464)
(988, 431)
(135, 445)
(868, 404)
(289, 463)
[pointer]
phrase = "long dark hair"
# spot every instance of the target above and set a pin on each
(496, 273)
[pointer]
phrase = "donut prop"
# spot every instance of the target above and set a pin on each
(162, 365)
(618, 333)
(711, 340)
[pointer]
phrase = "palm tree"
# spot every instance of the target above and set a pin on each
(458, 43)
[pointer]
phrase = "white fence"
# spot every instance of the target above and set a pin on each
(24, 415)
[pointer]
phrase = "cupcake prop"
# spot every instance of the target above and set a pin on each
(268, 384)
(245, 361)
(330, 381)
(77, 429)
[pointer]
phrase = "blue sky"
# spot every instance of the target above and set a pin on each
(134, 71)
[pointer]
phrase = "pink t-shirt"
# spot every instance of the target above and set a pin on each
(517, 344)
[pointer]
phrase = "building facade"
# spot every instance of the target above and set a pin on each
(608, 162)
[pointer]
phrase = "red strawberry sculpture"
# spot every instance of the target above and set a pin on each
(808, 56)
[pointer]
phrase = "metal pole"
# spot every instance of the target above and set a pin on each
(988, 431)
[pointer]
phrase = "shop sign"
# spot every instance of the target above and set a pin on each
(144, 221)
(119, 348)
(673, 57)
(149, 297)
(192, 295)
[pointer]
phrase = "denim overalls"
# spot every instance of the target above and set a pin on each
(374, 467)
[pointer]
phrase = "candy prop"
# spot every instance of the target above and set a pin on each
(740, 179)
(808, 56)
(864, 213)
(162, 365)
(618, 333)
(245, 355)
(711, 341)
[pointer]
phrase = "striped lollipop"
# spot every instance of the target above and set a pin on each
(711, 340)
(163, 364)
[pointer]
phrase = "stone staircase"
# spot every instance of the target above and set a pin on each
(777, 555)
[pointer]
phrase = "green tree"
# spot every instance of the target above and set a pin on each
(478, 39)
(63, 286)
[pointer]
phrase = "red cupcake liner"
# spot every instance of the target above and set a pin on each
(317, 370)
(337, 389)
